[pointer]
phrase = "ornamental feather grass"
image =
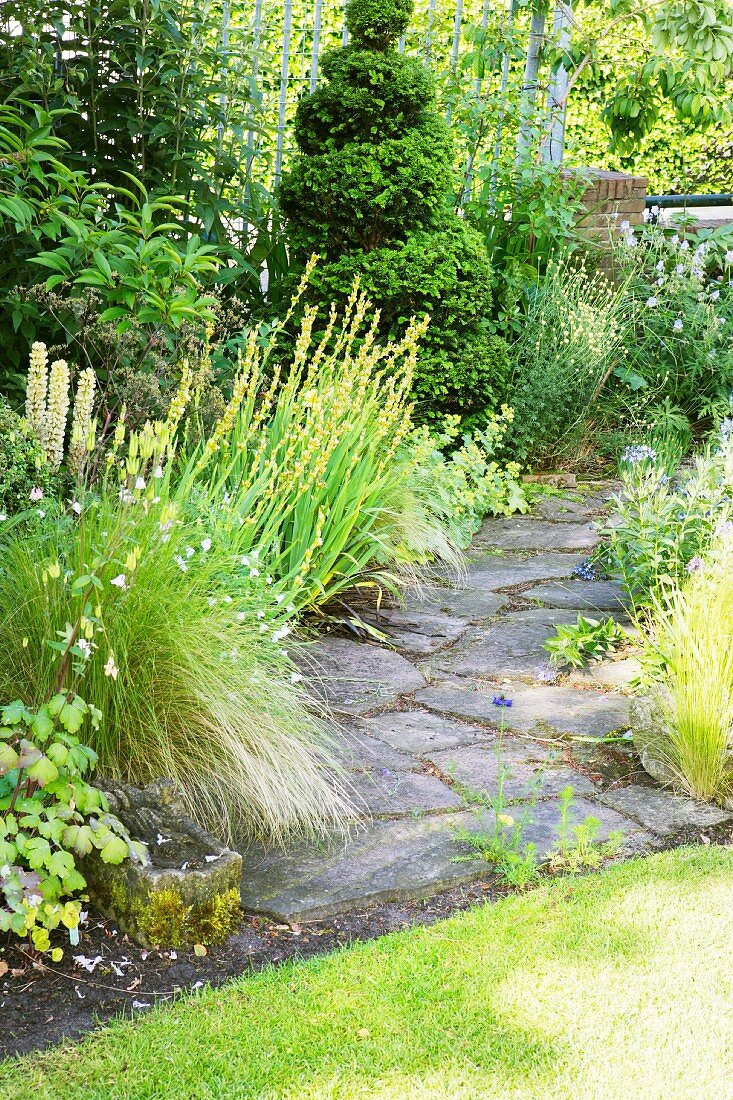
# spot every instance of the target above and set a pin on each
(693, 634)
(189, 676)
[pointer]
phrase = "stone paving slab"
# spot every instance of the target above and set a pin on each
(662, 812)
(421, 733)
(418, 632)
(400, 794)
(491, 572)
(535, 708)
(544, 830)
(531, 770)
(353, 677)
(358, 751)
(470, 604)
(585, 596)
(582, 507)
(606, 674)
(528, 533)
(513, 646)
(386, 861)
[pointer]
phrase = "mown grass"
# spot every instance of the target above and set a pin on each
(615, 985)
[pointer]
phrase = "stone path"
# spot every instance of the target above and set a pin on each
(417, 715)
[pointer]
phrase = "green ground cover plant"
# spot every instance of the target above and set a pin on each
(577, 644)
(483, 1004)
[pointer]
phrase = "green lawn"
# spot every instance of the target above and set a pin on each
(616, 985)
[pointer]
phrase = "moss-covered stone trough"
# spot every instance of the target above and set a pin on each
(189, 891)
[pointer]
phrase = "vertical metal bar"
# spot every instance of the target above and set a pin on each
(401, 44)
(345, 31)
(484, 25)
(284, 74)
(553, 147)
(429, 30)
(316, 46)
(505, 62)
(226, 15)
(256, 36)
(456, 36)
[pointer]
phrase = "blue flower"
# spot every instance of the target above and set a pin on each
(638, 453)
(586, 571)
(501, 701)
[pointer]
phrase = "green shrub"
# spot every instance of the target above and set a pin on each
(571, 341)
(665, 523)
(682, 346)
(23, 466)
(371, 192)
(444, 273)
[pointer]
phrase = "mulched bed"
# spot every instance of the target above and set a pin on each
(42, 1003)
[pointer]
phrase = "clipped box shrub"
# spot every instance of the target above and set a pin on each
(371, 192)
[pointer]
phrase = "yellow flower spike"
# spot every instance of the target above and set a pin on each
(82, 425)
(36, 390)
(57, 412)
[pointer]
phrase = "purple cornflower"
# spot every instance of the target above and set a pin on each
(694, 565)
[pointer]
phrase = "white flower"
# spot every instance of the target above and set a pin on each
(655, 211)
(3, 517)
(260, 614)
(660, 265)
(158, 471)
(295, 677)
(279, 598)
(263, 628)
(675, 239)
(268, 580)
(278, 635)
(255, 554)
(729, 256)
(41, 513)
(85, 647)
(76, 507)
(254, 572)
(110, 669)
(140, 483)
(652, 302)
(680, 269)
(241, 616)
(226, 599)
(181, 563)
(126, 496)
(206, 545)
(678, 325)
(36, 493)
(625, 224)
(211, 601)
(684, 246)
(190, 551)
(120, 581)
(660, 281)
(715, 294)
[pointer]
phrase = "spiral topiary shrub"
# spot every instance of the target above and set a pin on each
(371, 193)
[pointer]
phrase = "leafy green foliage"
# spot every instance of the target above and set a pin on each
(22, 464)
(682, 346)
(466, 482)
(664, 524)
(371, 192)
(579, 847)
(50, 817)
(576, 644)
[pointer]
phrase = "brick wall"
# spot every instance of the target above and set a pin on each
(611, 197)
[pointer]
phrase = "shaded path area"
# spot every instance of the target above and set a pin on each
(418, 718)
